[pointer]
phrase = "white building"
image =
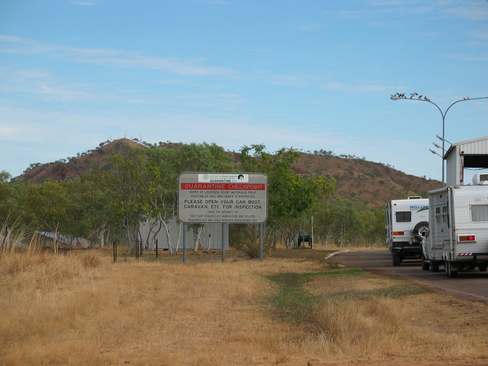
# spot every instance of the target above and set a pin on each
(465, 154)
(211, 236)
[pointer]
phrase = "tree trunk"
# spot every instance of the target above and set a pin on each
(198, 238)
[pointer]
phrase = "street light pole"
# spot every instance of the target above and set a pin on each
(420, 98)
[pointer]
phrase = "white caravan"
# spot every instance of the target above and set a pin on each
(407, 222)
(458, 237)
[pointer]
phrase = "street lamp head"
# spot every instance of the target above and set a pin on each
(435, 152)
(413, 96)
(443, 139)
(422, 98)
(397, 96)
(436, 145)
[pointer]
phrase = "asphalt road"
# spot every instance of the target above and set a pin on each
(469, 285)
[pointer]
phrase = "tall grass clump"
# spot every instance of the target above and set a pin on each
(344, 313)
(86, 310)
(24, 264)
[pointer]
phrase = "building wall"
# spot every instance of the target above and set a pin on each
(465, 154)
(210, 239)
(454, 168)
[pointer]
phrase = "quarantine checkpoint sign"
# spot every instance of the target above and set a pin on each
(239, 198)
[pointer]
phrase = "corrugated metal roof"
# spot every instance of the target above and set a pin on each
(478, 146)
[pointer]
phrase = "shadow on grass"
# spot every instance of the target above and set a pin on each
(293, 302)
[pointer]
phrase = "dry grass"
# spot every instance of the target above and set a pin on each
(81, 309)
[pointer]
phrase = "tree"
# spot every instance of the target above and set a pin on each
(203, 158)
(10, 191)
(44, 208)
(130, 201)
(290, 195)
(89, 205)
(160, 185)
(164, 166)
(346, 222)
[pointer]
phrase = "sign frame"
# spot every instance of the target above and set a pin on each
(234, 198)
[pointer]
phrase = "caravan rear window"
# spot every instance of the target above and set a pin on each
(479, 213)
(403, 216)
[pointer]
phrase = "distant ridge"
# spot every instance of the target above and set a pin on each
(372, 183)
(81, 164)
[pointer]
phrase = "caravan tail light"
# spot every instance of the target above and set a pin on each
(466, 238)
(399, 233)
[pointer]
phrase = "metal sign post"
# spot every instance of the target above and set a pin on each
(227, 198)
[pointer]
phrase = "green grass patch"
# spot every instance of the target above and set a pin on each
(292, 301)
(400, 289)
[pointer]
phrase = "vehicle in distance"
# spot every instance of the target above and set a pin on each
(407, 222)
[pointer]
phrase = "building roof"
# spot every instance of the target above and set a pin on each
(465, 154)
(478, 146)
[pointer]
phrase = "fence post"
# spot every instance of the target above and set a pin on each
(115, 251)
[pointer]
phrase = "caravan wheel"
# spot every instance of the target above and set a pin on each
(425, 264)
(449, 272)
(397, 259)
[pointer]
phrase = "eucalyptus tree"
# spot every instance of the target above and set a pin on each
(345, 222)
(203, 158)
(10, 192)
(160, 186)
(163, 167)
(290, 194)
(89, 207)
(44, 208)
(130, 199)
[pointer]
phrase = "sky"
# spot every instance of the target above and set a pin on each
(305, 74)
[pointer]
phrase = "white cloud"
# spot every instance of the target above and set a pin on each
(44, 85)
(10, 133)
(111, 57)
(466, 11)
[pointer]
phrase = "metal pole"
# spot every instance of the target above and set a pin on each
(311, 236)
(261, 235)
(223, 243)
(115, 251)
(399, 96)
(443, 148)
(184, 242)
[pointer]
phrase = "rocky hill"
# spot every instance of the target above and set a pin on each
(358, 179)
(366, 181)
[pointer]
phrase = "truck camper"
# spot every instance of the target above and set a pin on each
(406, 224)
(458, 233)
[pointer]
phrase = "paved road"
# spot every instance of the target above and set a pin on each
(470, 285)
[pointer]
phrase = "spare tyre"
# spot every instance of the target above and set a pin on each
(420, 230)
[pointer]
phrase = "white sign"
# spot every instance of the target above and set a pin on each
(222, 197)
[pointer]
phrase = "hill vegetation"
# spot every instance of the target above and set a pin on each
(368, 182)
(104, 194)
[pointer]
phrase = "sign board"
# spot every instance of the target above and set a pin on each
(239, 198)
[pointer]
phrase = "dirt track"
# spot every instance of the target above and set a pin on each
(470, 285)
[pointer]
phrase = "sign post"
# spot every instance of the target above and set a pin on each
(226, 198)
(239, 198)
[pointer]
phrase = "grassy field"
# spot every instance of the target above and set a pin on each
(294, 308)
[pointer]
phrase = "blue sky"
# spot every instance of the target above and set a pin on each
(307, 74)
